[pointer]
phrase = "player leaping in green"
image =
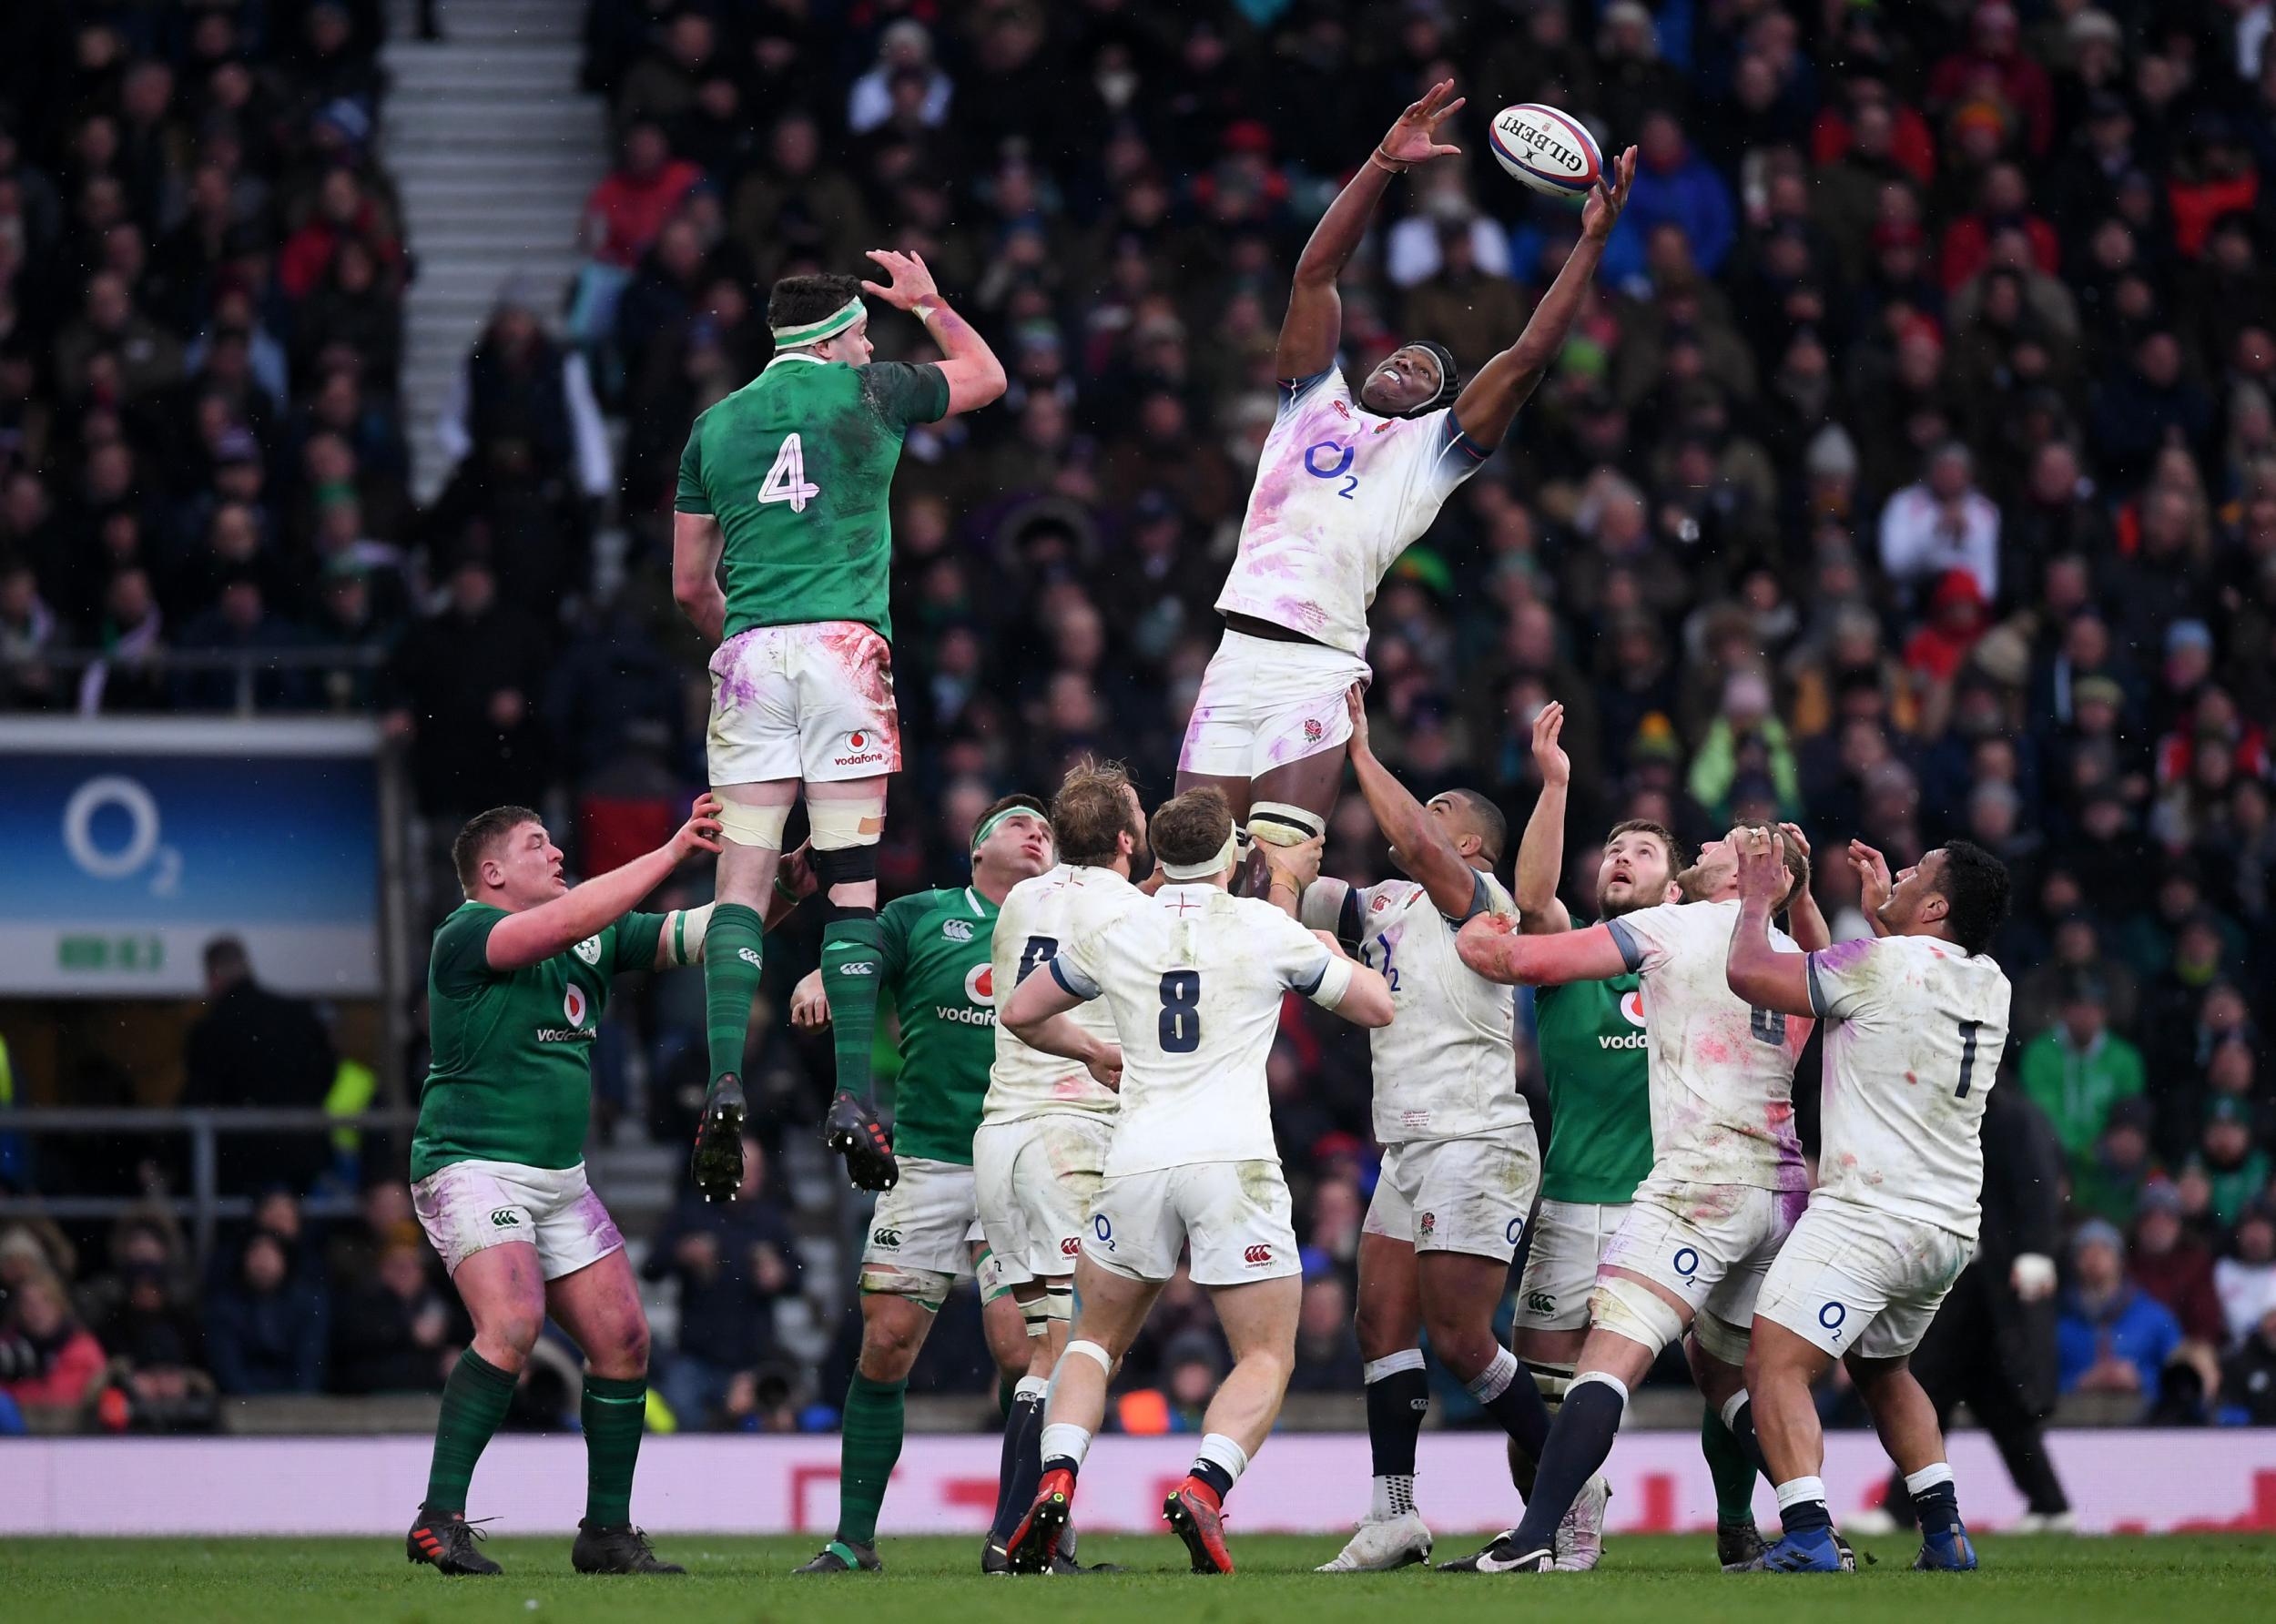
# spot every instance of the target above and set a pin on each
(788, 479)
(520, 975)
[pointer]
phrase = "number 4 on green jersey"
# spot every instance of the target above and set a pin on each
(786, 480)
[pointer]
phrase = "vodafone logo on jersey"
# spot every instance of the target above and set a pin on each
(979, 983)
(1631, 1011)
(1633, 1007)
(980, 987)
(863, 749)
(573, 1005)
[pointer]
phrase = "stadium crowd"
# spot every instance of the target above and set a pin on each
(1913, 472)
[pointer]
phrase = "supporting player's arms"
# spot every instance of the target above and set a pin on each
(1313, 325)
(1293, 869)
(536, 934)
(696, 543)
(1806, 921)
(1872, 883)
(1037, 1016)
(1491, 945)
(975, 377)
(1757, 971)
(1490, 401)
(1541, 854)
(1367, 996)
(1419, 840)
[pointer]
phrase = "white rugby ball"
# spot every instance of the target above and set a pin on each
(1547, 149)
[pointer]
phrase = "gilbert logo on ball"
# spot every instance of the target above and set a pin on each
(1548, 150)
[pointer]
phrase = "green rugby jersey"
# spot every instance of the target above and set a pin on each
(937, 947)
(1591, 1039)
(798, 467)
(509, 1077)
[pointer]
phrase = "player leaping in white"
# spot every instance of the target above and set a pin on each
(1342, 489)
(1915, 1024)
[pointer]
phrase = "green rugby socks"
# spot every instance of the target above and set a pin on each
(734, 947)
(474, 1402)
(615, 1409)
(870, 1445)
(1734, 1473)
(853, 963)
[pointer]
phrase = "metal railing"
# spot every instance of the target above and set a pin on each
(203, 1207)
(247, 666)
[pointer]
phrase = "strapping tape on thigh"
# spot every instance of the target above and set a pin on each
(840, 825)
(1279, 824)
(1720, 1338)
(753, 826)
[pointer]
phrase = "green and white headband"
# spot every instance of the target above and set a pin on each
(991, 824)
(829, 327)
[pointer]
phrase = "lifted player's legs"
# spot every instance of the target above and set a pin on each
(1288, 805)
(848, 816)
(1390, 1327)
(599, 1307)
(750, 853)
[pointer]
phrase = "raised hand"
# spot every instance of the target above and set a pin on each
(701, 831)
(1762, 865)
(1414, 138)
(1356, 708)
(1547, 754)
(910, 284)
(1607, 198)
(1874, 884)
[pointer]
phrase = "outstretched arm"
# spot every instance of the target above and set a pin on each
(1313, 325)
(1491, 400)
(1418, 840)
(975, 376)
(1806, 921)
(536, 934)
(1491, 945)
(1541, 854)
(1757, 971)
(1872, 883)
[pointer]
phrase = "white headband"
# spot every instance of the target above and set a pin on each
(829, 327)
(1208, 868)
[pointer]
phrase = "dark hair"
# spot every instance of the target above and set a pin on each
(1493, 828)
(226, 956)
(1191, 827)
(797, 300)
(483, 832)
(1090, 812)
(1677, 858)
(1976, 889)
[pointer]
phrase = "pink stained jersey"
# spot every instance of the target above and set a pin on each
(1340, 493)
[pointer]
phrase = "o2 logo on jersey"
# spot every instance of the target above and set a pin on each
(589, 949)
(1633, 1007)
(1515, 1229)
(1335, 465)
(573, 1006)
(1685, 1262)
(980, 984)
(1833, 1316)
(1103, 1230)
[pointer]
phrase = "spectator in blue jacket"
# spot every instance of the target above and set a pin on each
(1674, 186)
(266, 1327)
(2113, 1336)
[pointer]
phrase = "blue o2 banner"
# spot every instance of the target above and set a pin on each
(126, 845)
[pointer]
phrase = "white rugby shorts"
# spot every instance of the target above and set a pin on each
(470, 1207)
(1711, 1244)
(922, 1233)
(1233, 1217)
(1568, 1242)
(1854, 1281)
(1036, 1179)
(813, 702)
(1264, 703)
(1466, 1195)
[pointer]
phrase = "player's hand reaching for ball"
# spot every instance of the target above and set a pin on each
(700, 832)
(1874, 884)
(1483, 945)
(910, 284)
(1556, 767)
(1356, 708)
(1602, 212)
(1414, 137)
(1762, 865)
(809, 1005)
(1293, 867)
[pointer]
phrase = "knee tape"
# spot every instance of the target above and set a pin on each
(1035, 1315)
(842, 826)
(1280, 824)
(844, 865)
(1092, 1350)
(1632, 1309)
(1720, 1339)
(1059, 1305)
(753, 826)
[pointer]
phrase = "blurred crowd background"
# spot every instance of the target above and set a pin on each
(1912, 472)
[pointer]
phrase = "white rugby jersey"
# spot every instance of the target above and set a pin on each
(1039, 917)
(1916, 1030)
(1446, 1067)
(1722, 1073)
(1340, 493)
(1194, 981)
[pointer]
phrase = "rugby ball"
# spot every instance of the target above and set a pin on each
(1548, 150)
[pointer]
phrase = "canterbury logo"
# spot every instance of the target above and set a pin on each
(1070, 1246)
(885, 1237)
(860, 967)
(506, 1218)
(748, 957)
(1258, 1255)
(1540, 1303)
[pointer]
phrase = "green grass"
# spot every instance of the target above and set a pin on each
(2202, 1580)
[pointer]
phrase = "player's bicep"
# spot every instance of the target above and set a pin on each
(637, 942)
(1311, 330)
(906, 395)
(462, 951)
(1838, 981)
(1643, 939)
(692, 498)
(1333, 906)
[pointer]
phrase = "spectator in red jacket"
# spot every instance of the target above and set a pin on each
(2003, 201)
(1994, 65)
(40, 1313)
(626, 211)
(2175, 1267)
